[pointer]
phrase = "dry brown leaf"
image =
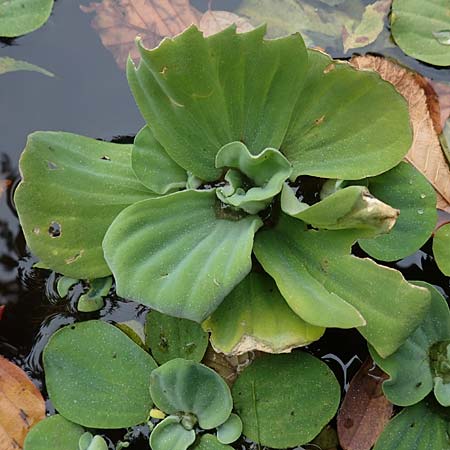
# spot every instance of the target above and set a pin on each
(119, 21)
(214, 21)
(443, 92)
(426, 153)
(365, 410)
(21, 405)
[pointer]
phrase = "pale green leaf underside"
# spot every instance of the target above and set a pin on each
(78, 185)
(347, 124)
(419, 427)
(171, 435)
(210, 442)
(230, 87)
(175, 255)
(97, 376)
(54, 433)
(327, 286)
(153, 166)
(417, 26)
(441, 249)
(351, 207)
(406, 189)
(230, 430)
(13, 65)
(409, 369)
(90, 442)
(182, 386)
(278, 416)
(255, 316)
(19, 17)
(170, 337)
(265, 172)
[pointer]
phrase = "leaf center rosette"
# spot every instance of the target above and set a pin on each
(222, 136)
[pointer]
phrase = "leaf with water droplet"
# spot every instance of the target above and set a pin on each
(443, 37)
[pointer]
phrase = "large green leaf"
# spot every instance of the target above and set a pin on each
(411, 371)
(153, 166)
(255, 316)
(178, 255)
(419, 427)
(170, 337)
(199, 94)
(351, 207)
(188, 388)
(441, 249)
(72, 189)
(19, 17)
(347, 124)
(171, 435)
(285, 400)
(97, 376)
(54, 433)
(406, 189)
(419, 28)
(327, 286)
(253, 180)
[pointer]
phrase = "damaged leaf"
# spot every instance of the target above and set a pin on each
(365, 411)
(119, 21)
(21, 405)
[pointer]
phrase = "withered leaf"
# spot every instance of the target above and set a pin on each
(21, 405)
(426, 153)
(443, 93)
(214, 21)
(365, 410)
(119, 21)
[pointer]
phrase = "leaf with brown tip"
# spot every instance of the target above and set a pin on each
(21, 405)
(365, 410)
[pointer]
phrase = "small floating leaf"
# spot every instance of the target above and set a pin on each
(93, 299)
(13, 65)
(230, 430)
(171, 435)
(210, 442)
(64, 284)
(89, 442)
(285, 400)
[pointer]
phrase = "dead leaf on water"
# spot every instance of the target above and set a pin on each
(214, 21)
(119, 21)
(426, 153)
(443, 92)
(365, 410)
(21, 405)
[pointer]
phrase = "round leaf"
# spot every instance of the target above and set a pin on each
(441, 249)
(18, 17)
(230, 430)
(178, 255)
(72, 189)
(255, 316)
(419, 427)
(171, 435)
(153, 166)
(406, 189)
(169, 338)
(285, 400)
(410, 369)
(421, 29)
(210, 442)
(182, 386)
(97, 376)
(54, 433)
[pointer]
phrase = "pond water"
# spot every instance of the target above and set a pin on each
(89, 95)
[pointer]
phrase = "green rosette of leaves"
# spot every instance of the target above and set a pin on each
(234, 121)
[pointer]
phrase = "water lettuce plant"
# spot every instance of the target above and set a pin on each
(238, 129)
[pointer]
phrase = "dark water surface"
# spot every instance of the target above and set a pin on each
(89, 95)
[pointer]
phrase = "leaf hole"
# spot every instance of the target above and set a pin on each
(320, 120)
(36, 230)
(72, 327)
(329, 68)
(419, 384)
(51, 165)
(72, 259)
(413, 425)
(54, 230)
(105, 158)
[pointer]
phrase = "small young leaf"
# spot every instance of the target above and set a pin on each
(230, 430)
(210, 442)
(98, 377)
(93, 299)
(64, 284)
(169, 338)
(274, 413)
(182, 386)
(441, 249)
(171, 435)
(54, 433)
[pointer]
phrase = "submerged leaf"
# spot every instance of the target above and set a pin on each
(210, 442)
(12, 65)
(214, 21)
(278, 416)
(255, 316)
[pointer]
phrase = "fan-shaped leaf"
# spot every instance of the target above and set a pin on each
(171, 435)
(210, 442)
(230, 430)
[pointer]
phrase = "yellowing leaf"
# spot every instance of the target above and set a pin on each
(370, 27)
(119, 21)
(214, 21)
(426, 153)
(21, 405)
